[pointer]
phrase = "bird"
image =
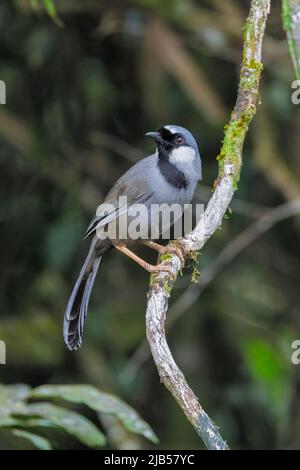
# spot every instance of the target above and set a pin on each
(169, 176)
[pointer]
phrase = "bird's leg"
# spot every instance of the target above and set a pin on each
(149, 267)
(176, 250)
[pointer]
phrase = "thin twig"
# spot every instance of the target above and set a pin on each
(230, 160)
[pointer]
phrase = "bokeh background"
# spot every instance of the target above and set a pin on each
(82, 90)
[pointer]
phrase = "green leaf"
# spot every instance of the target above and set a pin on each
(52, 12)
(8, 422)
(70, 421)
(98, 401)
(12, 397)
(38, 441)
(37, 423)
(271, 370)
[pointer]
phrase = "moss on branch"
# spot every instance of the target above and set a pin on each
(248, 94)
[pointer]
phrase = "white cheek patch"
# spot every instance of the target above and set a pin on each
(182, 155)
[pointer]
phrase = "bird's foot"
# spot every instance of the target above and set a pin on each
(171, 249)
(175, 250)
(165, 266)
(151, 268)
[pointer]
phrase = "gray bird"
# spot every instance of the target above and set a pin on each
(168, 176)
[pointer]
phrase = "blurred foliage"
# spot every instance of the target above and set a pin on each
(84, 82)
(50, 8)
(16, 413)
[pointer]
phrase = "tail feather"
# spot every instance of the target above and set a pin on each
(76, 310)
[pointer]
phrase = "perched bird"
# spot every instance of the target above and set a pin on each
(168, 176)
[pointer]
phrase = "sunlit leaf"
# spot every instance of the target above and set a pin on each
(52, 12)
(38, 441)
(8, 422)
(68, 420)
(98, 401)
(11, 397)
(37, 423)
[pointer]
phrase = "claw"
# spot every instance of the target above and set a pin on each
(164, 266)
(178, 251)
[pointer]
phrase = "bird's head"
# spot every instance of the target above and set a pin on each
(175, 143)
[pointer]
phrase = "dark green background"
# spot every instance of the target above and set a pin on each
(116, 70)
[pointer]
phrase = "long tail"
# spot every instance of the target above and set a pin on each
(76, 310)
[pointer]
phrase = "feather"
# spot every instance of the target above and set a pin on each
(76, 310)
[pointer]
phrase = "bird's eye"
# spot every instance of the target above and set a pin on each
(179, 139)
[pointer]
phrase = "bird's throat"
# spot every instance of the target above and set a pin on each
(171, 174)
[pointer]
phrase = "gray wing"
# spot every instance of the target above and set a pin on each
(134, 184)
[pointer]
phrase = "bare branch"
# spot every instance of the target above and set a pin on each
(230, 159)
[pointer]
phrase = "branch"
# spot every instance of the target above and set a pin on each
(291, 23)
(230, 159)
(243, 240)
